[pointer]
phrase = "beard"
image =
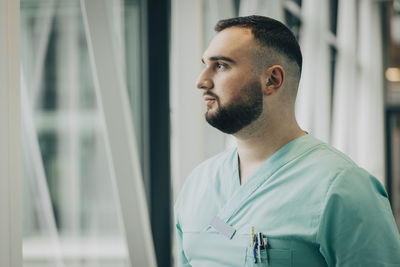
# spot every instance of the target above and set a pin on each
(242, 110)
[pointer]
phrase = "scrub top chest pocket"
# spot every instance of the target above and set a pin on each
(259, 253)
(270, 258)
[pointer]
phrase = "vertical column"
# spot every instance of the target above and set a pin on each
(370, 117)
(67, 60)
(313, 99)
(269, 8)
(10, 147)
(345, 95)
(186, 103)
(120, 141)
(158, 17)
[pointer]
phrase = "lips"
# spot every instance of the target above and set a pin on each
(209, 100)
(209, 96)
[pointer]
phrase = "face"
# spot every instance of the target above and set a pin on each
(244, 108)
(232, 90)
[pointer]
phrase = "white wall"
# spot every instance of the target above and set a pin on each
(192, 139)
(10, 148)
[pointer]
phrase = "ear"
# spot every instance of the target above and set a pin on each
(274, 77)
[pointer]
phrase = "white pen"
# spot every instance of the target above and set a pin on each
(260, 236)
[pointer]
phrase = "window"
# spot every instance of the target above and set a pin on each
(72, 215)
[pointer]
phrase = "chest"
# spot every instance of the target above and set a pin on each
(284, 207)
(277, 207)
(245, 172)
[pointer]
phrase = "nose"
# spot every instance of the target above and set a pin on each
(204, 82)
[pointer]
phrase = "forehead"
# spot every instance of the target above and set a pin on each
(234, 42)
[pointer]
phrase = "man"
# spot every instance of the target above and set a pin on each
(282, 197)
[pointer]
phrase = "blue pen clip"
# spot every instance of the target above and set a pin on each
(255, 248)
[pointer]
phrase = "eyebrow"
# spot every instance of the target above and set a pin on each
(216, 58)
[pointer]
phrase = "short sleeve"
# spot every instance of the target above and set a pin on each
(357, 227)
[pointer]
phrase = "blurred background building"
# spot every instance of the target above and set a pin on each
(112, 122)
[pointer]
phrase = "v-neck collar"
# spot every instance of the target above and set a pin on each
(285, 154)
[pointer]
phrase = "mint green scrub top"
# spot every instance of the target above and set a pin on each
(312, 203)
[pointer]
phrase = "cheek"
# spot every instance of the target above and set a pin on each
(228, 87)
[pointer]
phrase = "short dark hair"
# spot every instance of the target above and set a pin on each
(268, 32)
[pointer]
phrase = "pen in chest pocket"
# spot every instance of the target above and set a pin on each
(256, 251)
(258, 243)
(252, 236)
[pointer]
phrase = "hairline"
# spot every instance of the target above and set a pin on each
(261, 50)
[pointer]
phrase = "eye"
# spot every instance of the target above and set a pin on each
(220, 66)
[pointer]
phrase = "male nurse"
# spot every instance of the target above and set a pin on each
(282, 197)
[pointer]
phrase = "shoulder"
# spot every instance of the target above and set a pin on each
(356, 188)
(354, 196)
(335, 176)
(356, 177)
(356, 212)
(329, 158)
(315, 163)
(211, 166)
(330, 164)
(340, 180)
(344, 173)
(206, 171)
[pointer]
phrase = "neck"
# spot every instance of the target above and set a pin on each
(257, 144)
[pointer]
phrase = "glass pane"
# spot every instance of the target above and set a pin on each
(71, 211)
